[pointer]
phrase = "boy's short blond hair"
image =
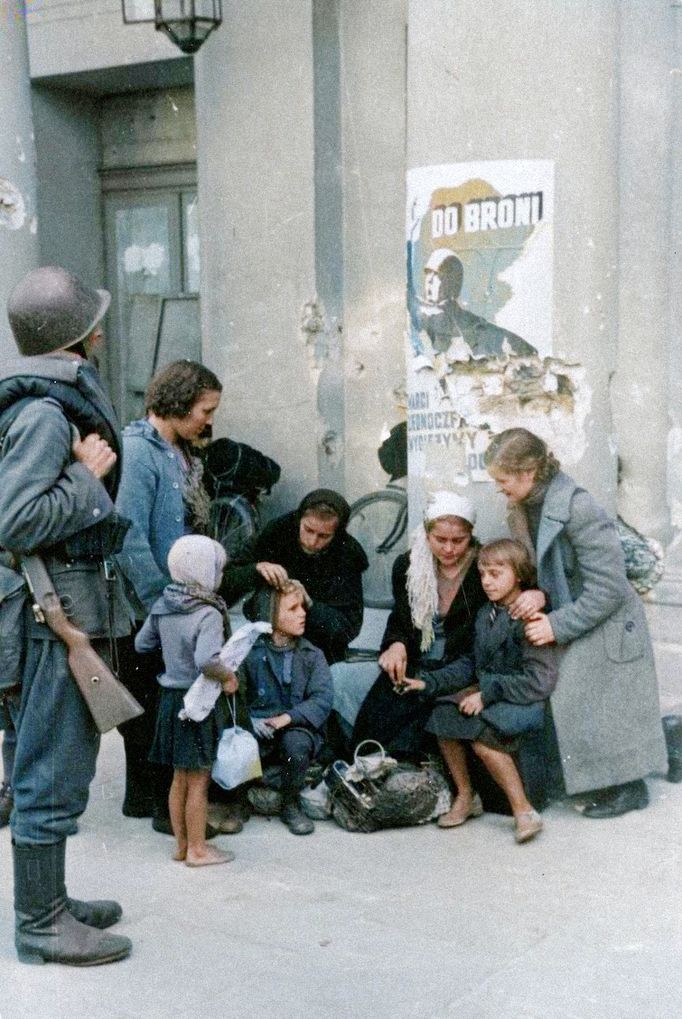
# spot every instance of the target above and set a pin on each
(289, 586)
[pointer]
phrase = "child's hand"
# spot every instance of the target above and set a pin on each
(472, 704)
(230, 683)
(261, 728)
(278, 721)
(539, 630)
(527, 605)
(410, 686)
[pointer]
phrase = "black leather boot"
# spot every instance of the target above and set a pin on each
(618, 799)
(672, 730)
(45, 929)
(293, 817)
(6, 803)
(100, 913)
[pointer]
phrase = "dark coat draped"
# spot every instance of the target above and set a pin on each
(332, 578)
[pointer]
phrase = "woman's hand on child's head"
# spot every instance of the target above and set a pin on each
(411, 685)
(539, 630)
(472, 704)
(394, 662)
(527, 605)
(273, 574)
(230, 683)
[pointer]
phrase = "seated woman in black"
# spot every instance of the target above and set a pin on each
(437, 593)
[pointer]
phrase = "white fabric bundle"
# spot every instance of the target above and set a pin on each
(203, 693)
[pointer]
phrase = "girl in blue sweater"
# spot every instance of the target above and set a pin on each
(189, 623)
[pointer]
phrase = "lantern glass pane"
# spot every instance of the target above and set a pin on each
(172, 10)
(138, 10)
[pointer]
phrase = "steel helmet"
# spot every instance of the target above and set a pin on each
(449, 267)
(50, 309)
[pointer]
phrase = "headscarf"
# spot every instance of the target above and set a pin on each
(422, 574)
(196, 565)
(326, 497)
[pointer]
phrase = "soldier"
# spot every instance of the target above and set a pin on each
(455, 333)
(59, 469)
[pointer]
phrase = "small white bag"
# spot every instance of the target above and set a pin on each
(238, 757)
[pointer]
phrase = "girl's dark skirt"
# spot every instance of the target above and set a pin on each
(447, 722)
(188, 745)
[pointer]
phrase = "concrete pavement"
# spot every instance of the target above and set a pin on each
(583, 923)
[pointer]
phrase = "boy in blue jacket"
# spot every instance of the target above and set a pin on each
(288, 693)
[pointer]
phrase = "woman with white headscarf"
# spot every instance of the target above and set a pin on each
(437, 593)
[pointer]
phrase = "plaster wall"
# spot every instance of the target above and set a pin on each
(69, 198)
(148, 129)
(83, 35)
(372, 47)
(301, 177)
(647, 56)
(254, 107)
(476, 93)
(18, 203)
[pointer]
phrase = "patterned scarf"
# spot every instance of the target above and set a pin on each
(187, 597)
(194, 495)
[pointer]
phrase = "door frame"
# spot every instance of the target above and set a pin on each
(133, 184)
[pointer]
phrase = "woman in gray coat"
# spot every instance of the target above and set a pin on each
(605, 707)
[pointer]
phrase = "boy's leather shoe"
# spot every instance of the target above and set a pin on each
(618, 799)
(296, 821)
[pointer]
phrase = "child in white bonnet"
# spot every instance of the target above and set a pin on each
(189, 623)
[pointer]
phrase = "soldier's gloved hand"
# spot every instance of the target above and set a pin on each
(262, 729)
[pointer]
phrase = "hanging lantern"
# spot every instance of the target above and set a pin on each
(187, 23)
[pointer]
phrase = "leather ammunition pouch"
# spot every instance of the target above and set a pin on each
(101, 541)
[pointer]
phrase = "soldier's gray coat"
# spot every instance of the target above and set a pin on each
(605, 706)
(46, 497)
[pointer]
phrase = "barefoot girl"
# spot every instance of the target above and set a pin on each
(189, 624)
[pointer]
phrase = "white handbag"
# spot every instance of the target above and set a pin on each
(238, 757)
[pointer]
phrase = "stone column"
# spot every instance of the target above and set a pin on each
(499, 80)
(646, 52)
(665, 601)
(18, 224)
(255, 163)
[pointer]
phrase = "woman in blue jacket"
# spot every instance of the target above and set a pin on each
(161, 492)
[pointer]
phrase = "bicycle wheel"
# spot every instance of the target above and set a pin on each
(379, 522)
(234, 523)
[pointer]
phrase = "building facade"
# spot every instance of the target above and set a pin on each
(249, 206)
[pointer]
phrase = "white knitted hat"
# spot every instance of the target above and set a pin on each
(422, 578)
(197, 561)
(449, 504)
